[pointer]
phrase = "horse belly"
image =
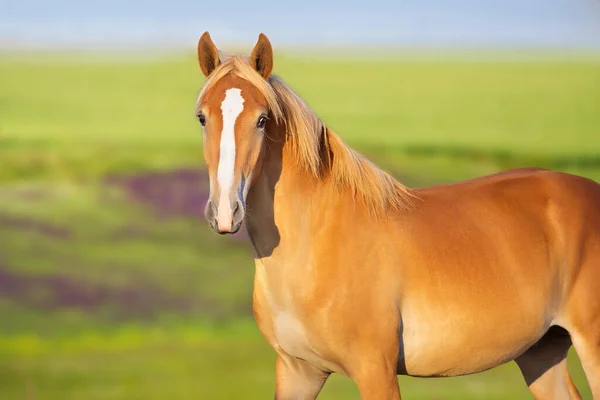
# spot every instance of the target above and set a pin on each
(453, 345)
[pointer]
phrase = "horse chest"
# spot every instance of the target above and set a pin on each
(290, 334)
(281, 317)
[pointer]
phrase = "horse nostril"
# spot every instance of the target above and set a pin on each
(238, 212)
(238, 216)
(210, 211)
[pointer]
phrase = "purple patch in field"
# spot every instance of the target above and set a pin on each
(32, 224)
(181, 192)
(139, 299)
(175, 193)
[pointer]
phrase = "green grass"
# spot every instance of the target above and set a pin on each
(72, 119)
(199, 362)
(66, 122)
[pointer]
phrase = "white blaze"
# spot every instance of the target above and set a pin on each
(232, 107)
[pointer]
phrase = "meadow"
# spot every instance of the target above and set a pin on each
(111, 284)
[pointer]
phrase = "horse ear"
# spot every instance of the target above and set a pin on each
(208, 55)
(262, 56)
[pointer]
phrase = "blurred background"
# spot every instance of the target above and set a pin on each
(111, 284)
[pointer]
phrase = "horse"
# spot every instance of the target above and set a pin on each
(359, 275)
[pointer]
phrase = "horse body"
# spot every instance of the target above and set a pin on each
(469, 278)
(356, 274)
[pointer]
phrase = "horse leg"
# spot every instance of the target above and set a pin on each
(544, 367)
(379, 382)
(297, 380)
(582, 313)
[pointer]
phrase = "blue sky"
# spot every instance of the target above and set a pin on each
(415, 23)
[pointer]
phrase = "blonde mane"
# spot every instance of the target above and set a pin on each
(307, 135)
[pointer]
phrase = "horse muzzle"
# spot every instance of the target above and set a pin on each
(226, 217)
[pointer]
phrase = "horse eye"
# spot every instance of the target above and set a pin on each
(261, 122)
(202, 119)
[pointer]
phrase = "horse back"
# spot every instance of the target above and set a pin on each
(517, 218)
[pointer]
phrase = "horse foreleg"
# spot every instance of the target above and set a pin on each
(379, 382)
(296, 379)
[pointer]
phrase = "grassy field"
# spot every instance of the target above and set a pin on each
(198, 363)
(112, 286)
(70, 119)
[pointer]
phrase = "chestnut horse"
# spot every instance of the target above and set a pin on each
(360, 275)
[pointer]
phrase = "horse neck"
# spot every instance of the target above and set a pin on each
(282, 203)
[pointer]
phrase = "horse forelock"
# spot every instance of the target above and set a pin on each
(240, 67)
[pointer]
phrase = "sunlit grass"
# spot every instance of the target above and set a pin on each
(199, 362)
(76, 119)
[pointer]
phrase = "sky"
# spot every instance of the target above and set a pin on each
(563, 24)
